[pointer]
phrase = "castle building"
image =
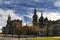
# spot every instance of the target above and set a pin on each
(12, 26)
(45, 26)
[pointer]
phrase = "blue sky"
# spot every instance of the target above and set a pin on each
(23, 10)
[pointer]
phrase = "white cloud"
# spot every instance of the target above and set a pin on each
(14, 15)
(29, 15)
(1, 1)
(50, 15)
(28, 22)
(7, 2)
(38, 0)
(57, 3)
(53, 15)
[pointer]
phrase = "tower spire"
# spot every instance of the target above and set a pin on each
(9, 19)
(35, 17)
(41, 14)
(9, 15)
(35, 11)
(41, 20)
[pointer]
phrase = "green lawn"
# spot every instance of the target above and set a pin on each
(44, 38)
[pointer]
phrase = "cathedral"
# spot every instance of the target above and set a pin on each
(46, 27)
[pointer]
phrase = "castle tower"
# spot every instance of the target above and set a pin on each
(41, 20)
(35, 18)
(46, 21)
(9, 19)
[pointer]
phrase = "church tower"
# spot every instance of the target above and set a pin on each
(9, 19)
(41, 20)
(46, 21)
(35, 18)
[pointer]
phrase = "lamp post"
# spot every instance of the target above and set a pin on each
(18, 36)
(18, 33)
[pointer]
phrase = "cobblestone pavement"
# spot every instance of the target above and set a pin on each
(10, 38)
(7, 38)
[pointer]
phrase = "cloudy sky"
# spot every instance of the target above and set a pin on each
(23, 10)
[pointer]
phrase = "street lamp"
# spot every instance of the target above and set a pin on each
(19, 36)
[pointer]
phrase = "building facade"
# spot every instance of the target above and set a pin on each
(12, 26)
(46, 27)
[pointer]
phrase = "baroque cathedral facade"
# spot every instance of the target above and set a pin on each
(46, 27)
